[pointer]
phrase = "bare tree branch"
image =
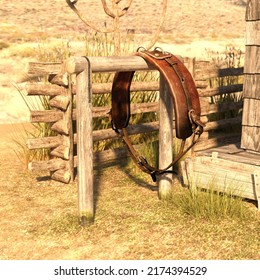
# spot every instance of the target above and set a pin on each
(107, 10)
(112, 14)
(71, 4)
(115, 13)
(159, 29)
(125, 9)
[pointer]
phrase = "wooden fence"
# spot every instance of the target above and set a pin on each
(221, 110)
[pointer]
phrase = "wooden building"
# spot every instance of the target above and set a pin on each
(235, 168)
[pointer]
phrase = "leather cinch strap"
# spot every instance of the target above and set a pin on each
(185, 101)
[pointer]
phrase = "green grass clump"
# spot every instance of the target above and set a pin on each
(210, 204)
(66, 223)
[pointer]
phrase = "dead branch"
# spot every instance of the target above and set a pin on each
(107, 10)
(159, 29)
(112, 14)
(71, 4)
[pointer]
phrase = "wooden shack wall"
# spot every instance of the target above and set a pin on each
(251, 112)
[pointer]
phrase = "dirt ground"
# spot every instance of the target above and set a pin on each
(39, 219)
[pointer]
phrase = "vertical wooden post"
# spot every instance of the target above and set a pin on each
(84, 145)
(256, 176)
(165, 139)
(70, 129)
(191, 67)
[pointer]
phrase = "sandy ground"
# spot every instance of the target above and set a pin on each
(191, 28)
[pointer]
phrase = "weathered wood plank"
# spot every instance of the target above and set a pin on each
(252, 60)
(253, 10)
(60, 79)
(61, 152)
(250, 138)
(257, 186)
(154, 107)
(53, 90)
(109, 133)
(135, 86)
(60, 102)
(216, 141)
(69, 139)
(241, 156)
(252, 86)
(108, 64)
(251, 112)
(222, 123)
(207, 109)
(225, 72)
(165, 139)
(236, 158)
(43, 89)
(252, 33)
(50, 165)
(61, 126)
(228, 168)
(61, 175)
(204, 71)
(44, 68)
(225, 185)
(136, 108)
(53, 116)
(46, 116)
(85, 142)
(110, 155)
(44, 142)
(221, 90)
(227, 149)
(98, 135)
(222, 175)
(201, 84)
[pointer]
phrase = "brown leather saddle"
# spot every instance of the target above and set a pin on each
(185, 101)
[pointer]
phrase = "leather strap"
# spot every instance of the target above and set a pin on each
(185, 100)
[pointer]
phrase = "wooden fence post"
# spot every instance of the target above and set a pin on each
(81, 66)
(84, 145)
(165, 138)
(256, 176)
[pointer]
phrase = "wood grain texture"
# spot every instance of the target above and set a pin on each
(85, 144)
(253, 10)
(252, 60)
(165, 139)
(251, 86)
(251, 138)
(226, 175)
(253, 33)
(251, 112)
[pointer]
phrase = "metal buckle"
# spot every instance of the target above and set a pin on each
(157, 53)
(139, 49)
